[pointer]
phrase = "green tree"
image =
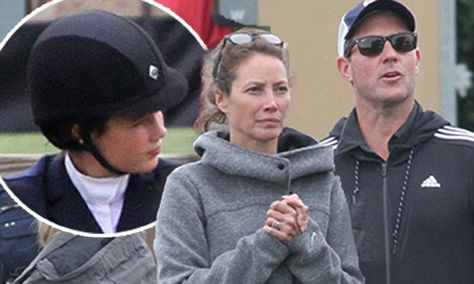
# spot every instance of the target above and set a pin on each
(465, 54)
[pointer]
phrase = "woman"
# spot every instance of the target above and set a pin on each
(102, 102)
(262, 205)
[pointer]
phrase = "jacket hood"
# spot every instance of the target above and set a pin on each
(420, 126)
(299, 153)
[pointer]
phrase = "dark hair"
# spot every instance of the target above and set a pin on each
(61, 135)
(229, 58)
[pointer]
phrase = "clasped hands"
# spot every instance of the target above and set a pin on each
(286, 218)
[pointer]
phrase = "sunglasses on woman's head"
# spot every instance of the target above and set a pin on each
(243, 38)
(374, 45)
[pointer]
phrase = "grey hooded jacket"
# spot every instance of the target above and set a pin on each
(213, 212)
(75, 259)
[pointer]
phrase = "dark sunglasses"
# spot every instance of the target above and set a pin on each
(373, 45)
(243, 38)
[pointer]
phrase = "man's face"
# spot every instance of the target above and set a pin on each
(387, 78)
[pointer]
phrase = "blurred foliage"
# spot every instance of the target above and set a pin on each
(177, 141)
(465, 54)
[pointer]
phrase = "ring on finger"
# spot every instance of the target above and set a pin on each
(276, 225)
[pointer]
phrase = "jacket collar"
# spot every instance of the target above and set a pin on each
(218, 152)
(420, 126)
(65, 206)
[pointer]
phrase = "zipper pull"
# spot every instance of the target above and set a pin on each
(384, 169)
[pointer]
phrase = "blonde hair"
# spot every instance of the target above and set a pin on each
(46, 233)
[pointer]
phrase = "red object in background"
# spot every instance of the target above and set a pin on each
(198, 14)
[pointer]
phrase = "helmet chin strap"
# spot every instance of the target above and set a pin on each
(89, 146)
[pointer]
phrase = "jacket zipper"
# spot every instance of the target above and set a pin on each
(387, 238)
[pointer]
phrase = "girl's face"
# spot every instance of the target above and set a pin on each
(257, 104)
(132, 143)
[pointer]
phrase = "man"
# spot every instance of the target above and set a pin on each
(407, 174)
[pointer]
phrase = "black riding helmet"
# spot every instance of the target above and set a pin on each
(93, 65)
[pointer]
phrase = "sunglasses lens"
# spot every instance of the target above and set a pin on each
(239, 38)
(371, 45)
(271, 38)
(243, 38)
(374, 45)
(403, 42)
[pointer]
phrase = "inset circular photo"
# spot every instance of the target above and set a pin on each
(101, 81)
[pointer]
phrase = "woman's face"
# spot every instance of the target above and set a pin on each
(132, 143)
(258, 102)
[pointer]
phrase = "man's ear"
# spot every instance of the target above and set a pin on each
(418, 60)
(221, 101)
(343, 66)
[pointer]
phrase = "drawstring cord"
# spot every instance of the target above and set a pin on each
(356, 189)
(401, 203)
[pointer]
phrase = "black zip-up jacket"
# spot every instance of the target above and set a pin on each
(423, 196)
